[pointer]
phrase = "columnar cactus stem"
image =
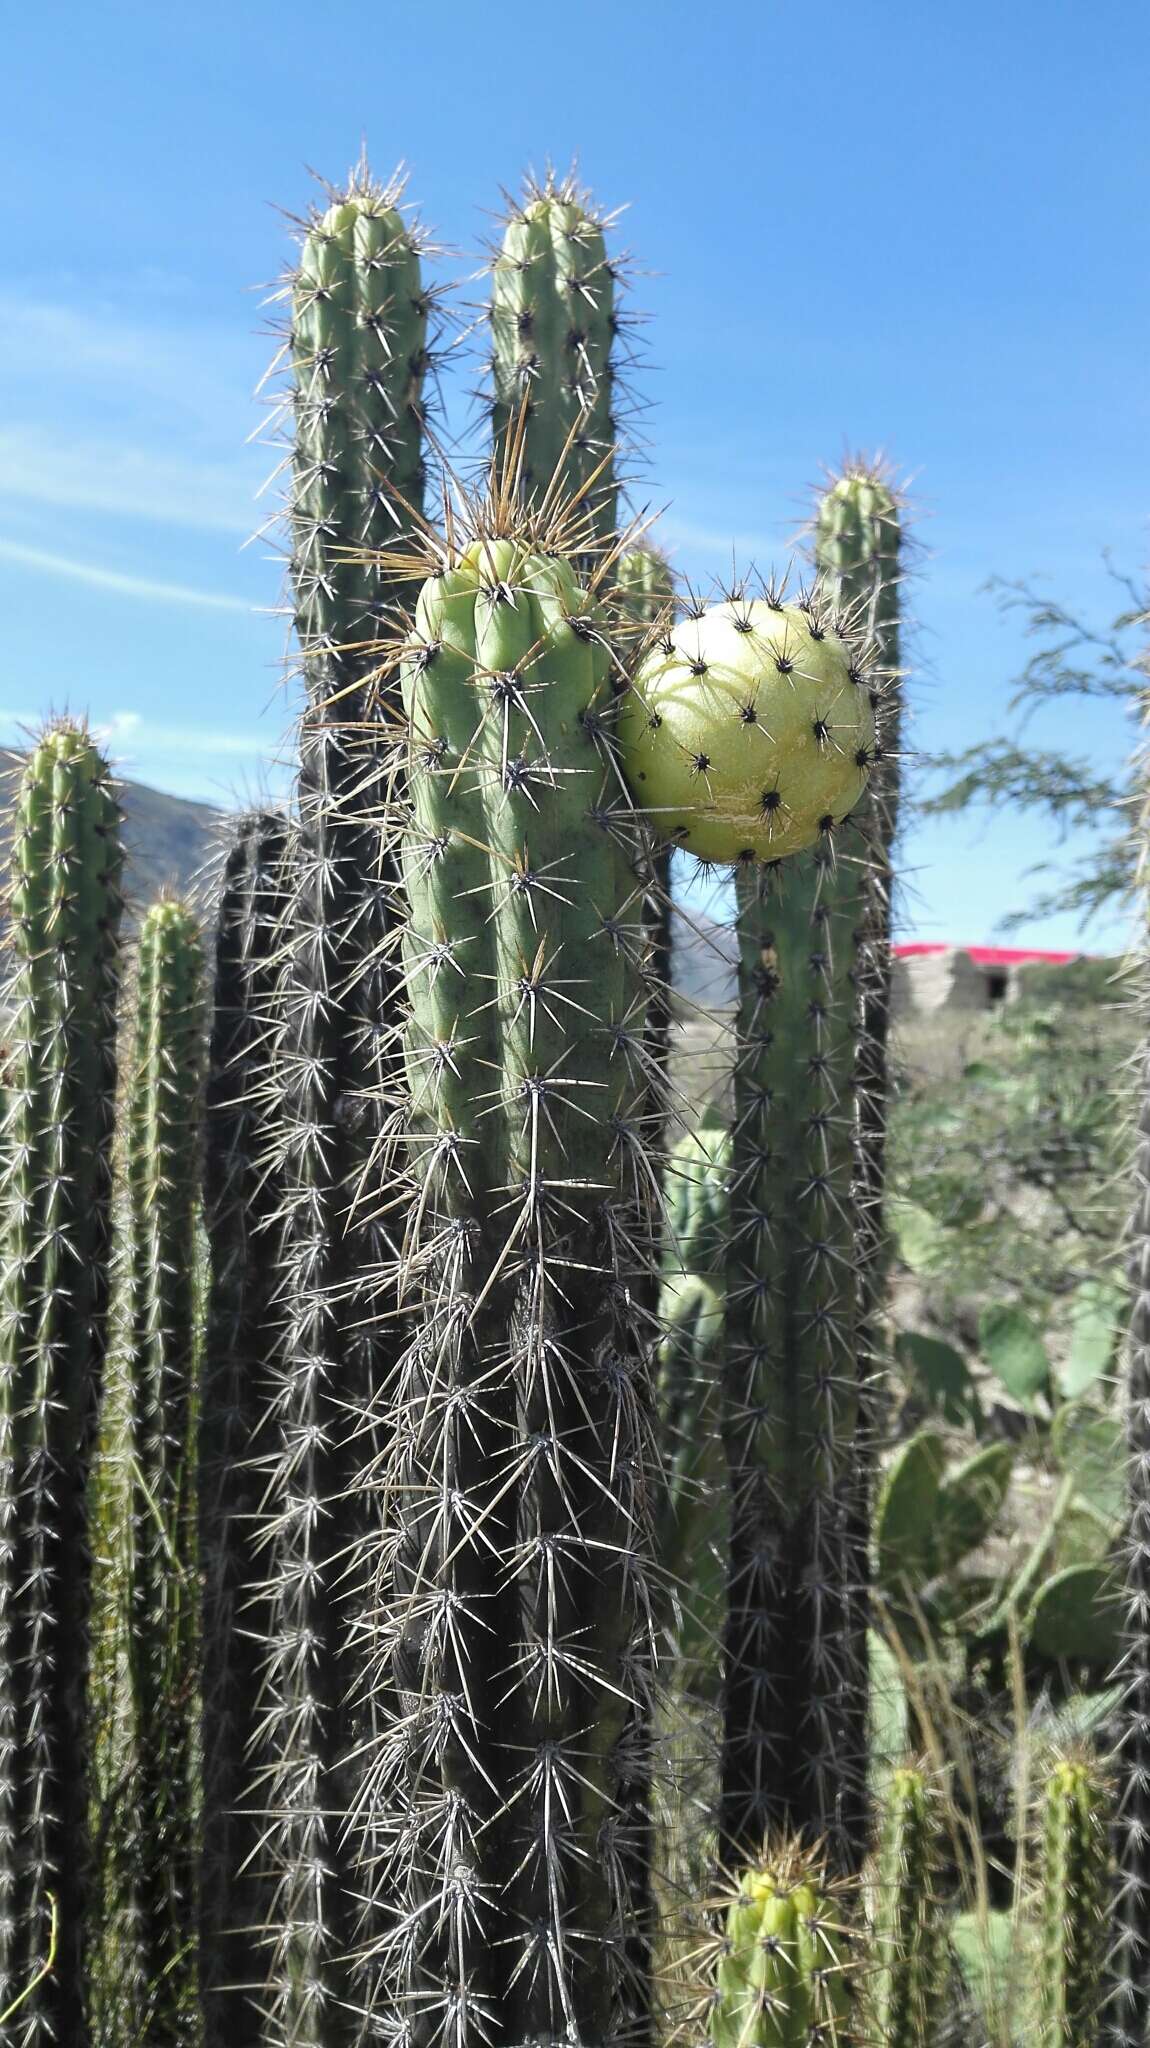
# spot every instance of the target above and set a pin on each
(858, 550)
(779, 1981)
(1075, 1905)
(795, 1755)
(358, 356)
(163, 1176)
(554, 356)
(64, 915)
(859, 544)
(244, 1329)
(518, 1476)
(644, 596)
(910, 1976)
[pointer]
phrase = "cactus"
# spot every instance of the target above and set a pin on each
(518, 1469)
(1128, 2005)
(859, 544)
(243, 1330)
(555, 326)
(749, 731)
(909, 1981)
(780, 1980)
(163, 1173)
(358, 356)
(54, 1254)
(1075, 1905)
(643, 599)
(692, 1531)
(795, 1740)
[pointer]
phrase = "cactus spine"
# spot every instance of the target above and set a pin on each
(554, 348)
(243, 1331)
(163, 1171)
(1075, 1905)
(358, 356)
(795, 1738)
(858, 549)
(910, 1976)
(54, 1254)
(779, 1981)
(644, 596)
(519, 1467)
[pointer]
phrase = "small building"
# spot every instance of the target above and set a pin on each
(967, 978)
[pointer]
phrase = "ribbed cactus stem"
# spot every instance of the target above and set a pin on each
(859, 544)
(644, 597)
(64, 915)
(244, 1330)
(1128, 2005)
(910, 1974)
(1075, 1905)
(779, 1980)
(554, 349)
(794, 1748)
(358, 355)
(163, 1179)
(519, 1472)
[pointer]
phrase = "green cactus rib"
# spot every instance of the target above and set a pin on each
(644, 597)
(64, 915)
(859, 544)
(518, 1473)
(795, 1735)
(909, 1983)
(779, 1978)
(163, 1138)
(358, 355)
(244, 1319)
(1075, 1905)
(556, 395)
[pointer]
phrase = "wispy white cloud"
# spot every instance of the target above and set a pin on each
(131, 482)
(131, 731)
(140, 587)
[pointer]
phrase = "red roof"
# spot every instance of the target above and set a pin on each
(986, 956)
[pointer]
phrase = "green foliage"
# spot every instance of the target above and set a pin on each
(1079, 662)
(64, 915)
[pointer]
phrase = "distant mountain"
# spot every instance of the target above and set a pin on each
(167, 838)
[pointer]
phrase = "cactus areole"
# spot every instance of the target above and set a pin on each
(749, 731)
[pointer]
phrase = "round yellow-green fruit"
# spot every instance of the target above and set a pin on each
(748, 732)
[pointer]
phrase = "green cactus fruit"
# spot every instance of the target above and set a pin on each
(518, 1471)
(163, 1140)
(749, 732)
(779, 1980)
(1076, 1904)
(244, 1329)
(909, 1981)
(60, 1079)
(554, 351)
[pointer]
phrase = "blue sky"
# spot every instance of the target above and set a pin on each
(880, 223)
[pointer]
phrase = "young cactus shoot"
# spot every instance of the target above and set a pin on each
(749, 730)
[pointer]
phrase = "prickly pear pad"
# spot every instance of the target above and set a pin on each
(749, 730)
